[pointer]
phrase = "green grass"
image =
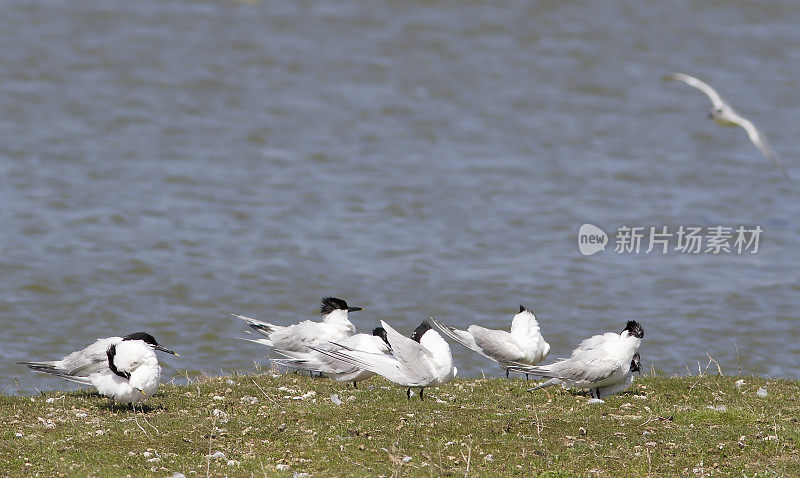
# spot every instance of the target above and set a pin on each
(662, 425)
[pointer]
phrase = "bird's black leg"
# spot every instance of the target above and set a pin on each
(421, 389)
(507, 373)
(408, 393)
(355, 384)
(526, 377)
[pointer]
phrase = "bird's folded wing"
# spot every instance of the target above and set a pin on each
(264, 328)
(461, 336)
(385, 365)
(415, 360)
(499, 345)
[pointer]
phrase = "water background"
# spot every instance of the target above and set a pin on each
(166, 163)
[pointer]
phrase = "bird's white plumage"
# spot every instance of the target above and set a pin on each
(92, 366)
(335, 326)
(723, 113)
(600, 361)
(411, 363)
(330, 367)
(603, 391)
(523, 344)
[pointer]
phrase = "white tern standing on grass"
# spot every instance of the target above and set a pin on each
(129, 373)
(523, 345)
(722, 113)
(601, 392)
(327, 366)
(92, 358)
(424, 360)
(598, 362)
(335, 326)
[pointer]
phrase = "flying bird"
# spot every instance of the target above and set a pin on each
(523, 345)
(598, 362)
(316, 362)
(335, 326)
(129, 374)
(722, 113)
(423, 360)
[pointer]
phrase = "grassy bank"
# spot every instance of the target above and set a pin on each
(267, 424)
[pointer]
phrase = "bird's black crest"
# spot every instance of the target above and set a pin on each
(329, 304)
(634, 329)
(522, 309)
(143, 336)
(111, 353)
(381, 332)
(420, 331)
(636, 364)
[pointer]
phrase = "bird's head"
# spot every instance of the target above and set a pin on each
(633, 329)
(330, 304)
(150, 340)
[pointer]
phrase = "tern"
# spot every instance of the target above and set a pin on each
(316, 362)
(92, 358)
(423, 360)
(335, 326)
(602, 392)
(129, 374)
(723, 114)
(523, 345)
(598, 362)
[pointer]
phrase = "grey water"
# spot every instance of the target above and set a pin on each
(164, 164)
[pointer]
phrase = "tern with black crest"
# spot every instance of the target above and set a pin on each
(423, 360)
(124, 369)
(335, 326)
(598, 362)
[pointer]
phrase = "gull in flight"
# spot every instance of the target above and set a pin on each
(316, 362)
(335, 326)
(424, 360)
(598, 362)
(523, 345)
(128, 373)
(601, 392)
(722, 113)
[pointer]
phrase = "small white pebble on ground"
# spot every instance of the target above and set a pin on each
(308, 394)
(761, 392)
(488, 457)
(282, 467)
(406, 459)
(593, 401)
(287, 390)
(301, 475)
(335, 399)
(640, 397)
(233, 463)
(248, 399)
(217, 455)
(718, 408)
(217, 397)
(18, 435)
(232, 382)
(178, 475)
(222, 416)
(739, 383)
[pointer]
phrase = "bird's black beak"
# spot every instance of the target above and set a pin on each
(164, 349)
(710, 116)
(354, 309)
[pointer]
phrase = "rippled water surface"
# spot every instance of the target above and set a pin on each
(166, 163)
